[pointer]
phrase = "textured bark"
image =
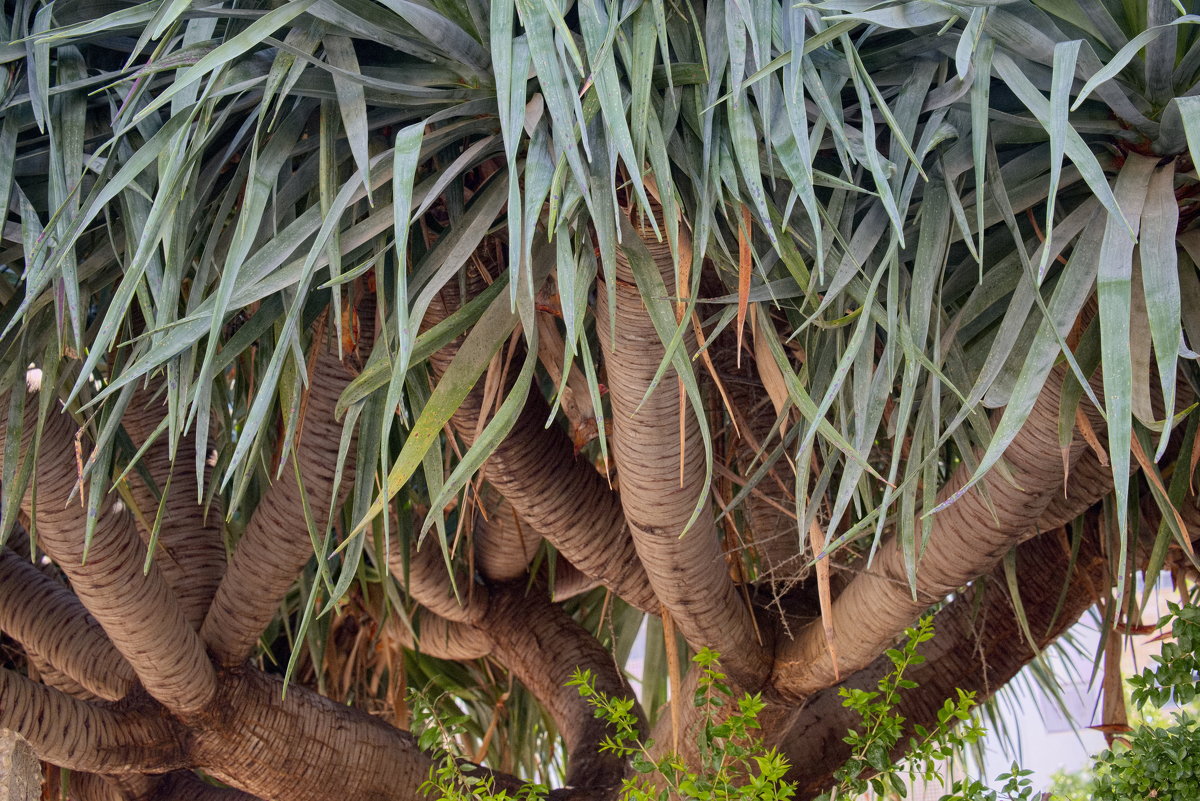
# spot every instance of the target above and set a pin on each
(551, 489)
(967, 540)
(20, 773)
(444, 639)
(49, 621)
(687, 570)
(543, 646)
(423, 573)
(504, 544)
(192, 556)
(82, 736)
(302, 746)
(136, 609)
(181, 785)
(978, 647)
(277, 545)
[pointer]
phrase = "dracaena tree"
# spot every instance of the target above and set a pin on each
(355, 346)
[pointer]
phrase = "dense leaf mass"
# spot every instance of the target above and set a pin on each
(352, 346)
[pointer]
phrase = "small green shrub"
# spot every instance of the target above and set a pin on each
(734, 764)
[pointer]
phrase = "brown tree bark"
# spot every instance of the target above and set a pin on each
(543, 646)
(48, 619)
(132, 737)
(277, 543)
(536, 471)
(190, 536)
(136, 609)
(968, 538)
(659, 455)
(978, 646)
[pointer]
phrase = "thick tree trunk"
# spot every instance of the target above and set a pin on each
(968, 538)
(277, 543)
(302, 746)
(661, 474)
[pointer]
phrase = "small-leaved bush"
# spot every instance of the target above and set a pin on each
(734, 764)
(1159, 762)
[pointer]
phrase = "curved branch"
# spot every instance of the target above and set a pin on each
(136, 609)
(277, 545)
(504, 544)
(979, 646)
(49, 621)
(81, 736)
(542, 645)
(552, 490)
(422, 572)
(443, 639)
(967, 540)
(190, 535)
(660, 484)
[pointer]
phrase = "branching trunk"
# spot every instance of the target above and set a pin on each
(277, 543)
(660, 469)
(136, 609)
(535, 470)
(302, 746)
(48, 619)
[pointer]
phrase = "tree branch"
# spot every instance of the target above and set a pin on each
(552, 490)
(968, 538)
(423, 574)
(277, 544)
(46, 618)
(542, 645)
(443, 639)
(978, 646)
(504, 544)
(661, 472)
(136, 609)
(81, 736)
(194, 558)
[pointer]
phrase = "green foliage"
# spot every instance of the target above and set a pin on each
(927, 752)
(1160, 762)
(451, 778)
(733, 763)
